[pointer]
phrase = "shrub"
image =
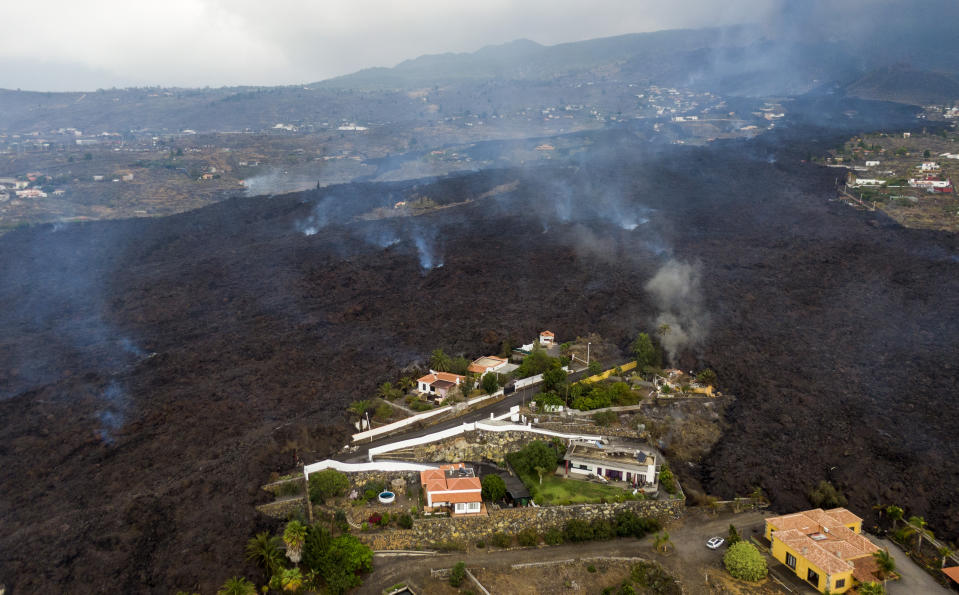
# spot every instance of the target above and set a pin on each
(328, 483)
(653, 577)
(481, 544)
(733, 535)
(405, 521)
(374, 519)
(577, 530)
(494, 488)
(628, 523)
(605, 418)
(500, 539)
(744, 561)
(825, 495)
(590, 568)
(666, 480)
(458, 574)
(528, 537)
(383, 411)
(449, 546)
(603, 529)
(553, 537)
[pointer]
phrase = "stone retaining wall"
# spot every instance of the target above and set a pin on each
(467, 530)
(282, 509)
(476, 446)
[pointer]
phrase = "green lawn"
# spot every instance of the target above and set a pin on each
(557, 491)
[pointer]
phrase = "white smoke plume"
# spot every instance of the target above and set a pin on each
(683, 321)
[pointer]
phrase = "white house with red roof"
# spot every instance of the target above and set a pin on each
(488, 363)
(546, 338)
(438, 384)
(453, 486)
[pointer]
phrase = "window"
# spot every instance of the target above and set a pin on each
(473, 506)
(790, 560)
(813, 577)
(840, 583)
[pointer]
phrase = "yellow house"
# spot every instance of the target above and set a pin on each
(825, 548)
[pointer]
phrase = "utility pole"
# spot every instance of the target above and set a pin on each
(587, 354)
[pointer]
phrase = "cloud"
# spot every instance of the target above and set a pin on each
(230, 42)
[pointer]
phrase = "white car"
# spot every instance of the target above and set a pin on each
(714, 543)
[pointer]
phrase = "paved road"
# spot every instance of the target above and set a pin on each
(519, 397)
(914, 578)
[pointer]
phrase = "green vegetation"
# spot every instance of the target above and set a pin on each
(502, 540)
(458, 574)
(605, 418)
(553, 536)
(733, 535)
(825, 495)
(494, 488)
(293, 536)
(528, 537)
(537, 362)
(439, 361)
(707, 377)
(666, 480)
(237, 586)
(885, 562)
(489, 383)
(743, 561)
(871, 589)
(405, 521)
(556, 491)
(647, 354)
(594, 368)
(264, 551)
(588, 396)
(328, 483)
(359, 408)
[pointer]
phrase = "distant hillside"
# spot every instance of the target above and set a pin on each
(527, 60)
(906, 85)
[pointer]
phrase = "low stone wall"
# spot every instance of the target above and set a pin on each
(282, 509)
(468, 530)
(362, 479)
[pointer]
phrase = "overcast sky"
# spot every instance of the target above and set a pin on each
(57, 45)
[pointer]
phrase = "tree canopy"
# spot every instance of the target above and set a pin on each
(744, 561)
(328, 483)
(494, 488)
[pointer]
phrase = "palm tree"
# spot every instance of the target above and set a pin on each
(237, 586)
(540, 471)
(945, 552)
(439, 361)
(293, 536)
(871, 589)
(919, 524)
(406, 384)
(386, 391)
(291, 579)
(895, 513)
(886, 563)
(264, 549)
(360, 407)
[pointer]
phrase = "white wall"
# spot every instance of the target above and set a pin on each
(359, 467)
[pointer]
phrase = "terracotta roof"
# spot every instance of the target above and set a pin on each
(811, 551)
(865, 569)
(809, 521)
(952, 572)
(448, 377)
(451, 489)
(546, 334)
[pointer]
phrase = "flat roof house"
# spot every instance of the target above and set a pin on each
(453, 486)
(823, 548)
(487, 363)
(635, 466)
